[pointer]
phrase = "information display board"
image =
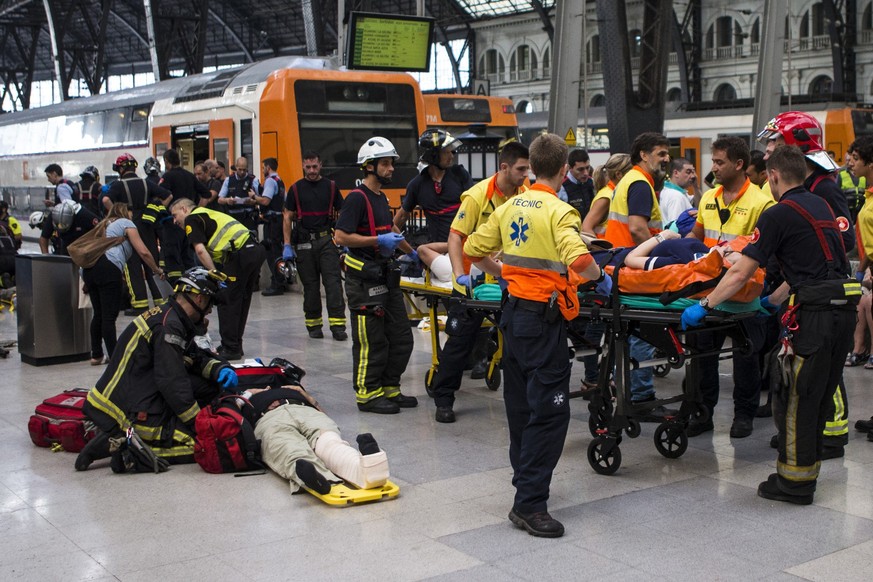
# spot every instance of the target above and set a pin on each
(389, 42)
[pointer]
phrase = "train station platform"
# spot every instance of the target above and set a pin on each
(692, 518)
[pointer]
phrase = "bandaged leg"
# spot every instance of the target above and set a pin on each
(362, 471)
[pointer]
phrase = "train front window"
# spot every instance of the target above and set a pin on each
(862, 122)
(453, 109)
(336, 118)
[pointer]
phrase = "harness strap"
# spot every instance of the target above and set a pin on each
(818, 226)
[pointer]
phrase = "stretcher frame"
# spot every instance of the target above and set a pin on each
(439, 300)
(613, 412)
(342, 494)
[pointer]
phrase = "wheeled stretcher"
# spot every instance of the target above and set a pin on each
(438, 298)
(613, 412)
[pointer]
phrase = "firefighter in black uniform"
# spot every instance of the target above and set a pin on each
(804, 131)
(146, 200)
(438, 188)
(222, 243)
(310, 208)
(90, 190)
(177, 254)
(270, 202)
(381, 336)
(159, 378)
(65, 223)
(819, 320)
(237, 195)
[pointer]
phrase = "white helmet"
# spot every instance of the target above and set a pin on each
(376, 147)
(63, 214)
(36, 219)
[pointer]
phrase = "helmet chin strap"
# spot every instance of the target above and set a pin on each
(202, 312)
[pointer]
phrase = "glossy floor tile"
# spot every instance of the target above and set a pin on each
(692, 518)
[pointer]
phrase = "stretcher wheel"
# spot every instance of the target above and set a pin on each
(429, 378)
(595, 422)
(603, 463)
(671, 440)
(661, 371)
(493, 380)
(633, 428)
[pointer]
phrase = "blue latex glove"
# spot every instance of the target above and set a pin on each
(413, 256)
(504, 284)
(859, 275)
(693, 316)
(388, 243)
(104, 189)
(464, 280)
(605, 286)
(288, 253)
(227, 378)
(765, 303)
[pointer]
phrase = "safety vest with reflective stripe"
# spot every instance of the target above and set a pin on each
(847, 182)
(617, 229)
(864, 227)
(605, 192)
(229, 235)
(744, 211)
(539, 235)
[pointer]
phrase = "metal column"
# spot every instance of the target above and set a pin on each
(567, 59)
(768, 91)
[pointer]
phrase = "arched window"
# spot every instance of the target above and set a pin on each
(524, 107)
(547, 62)
(813, 25)
(725, 92)
(592, 49)
(867, 24)
(492, 66)
(674, 95)
(821, 85)
(598, 101)
(522, 64)
(756, 31)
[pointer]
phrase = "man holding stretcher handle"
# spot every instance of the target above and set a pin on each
(803, 235)
(544, 260)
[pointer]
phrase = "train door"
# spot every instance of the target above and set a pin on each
(689, 148)
(161, 140)
(192, 143)
(221, 141)
(270, 149)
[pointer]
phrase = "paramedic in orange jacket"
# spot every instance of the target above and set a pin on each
(543, 257)
(726, 212)
(635, 217)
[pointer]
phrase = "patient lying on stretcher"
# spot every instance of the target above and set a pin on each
(673, 250)
(435, 257)
(302, 444)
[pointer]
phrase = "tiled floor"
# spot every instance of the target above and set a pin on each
(693, 518)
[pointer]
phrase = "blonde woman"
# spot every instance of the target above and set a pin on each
(104, 280)
(605, 179)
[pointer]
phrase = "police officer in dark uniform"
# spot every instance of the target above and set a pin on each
(223, 243)
(237, 196)
(381, 336)
(578, 185)
(310, 208)
(175, 250)
(65, 223)
(146, 200)
(438, 188)
(271, 201)
(803, 235)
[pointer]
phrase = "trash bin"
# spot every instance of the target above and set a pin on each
(52, 329)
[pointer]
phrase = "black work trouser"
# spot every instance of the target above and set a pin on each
(104, 290)
(381, 338)
(177, 254)
(801, 407)
(462, 334)
(316, 266)
(747, 368)
(273, 242)
(536, 393)
(706, 341)
(242, 269)
(137, 275)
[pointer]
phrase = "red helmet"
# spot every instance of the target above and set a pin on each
(124, 161)
(801, 130)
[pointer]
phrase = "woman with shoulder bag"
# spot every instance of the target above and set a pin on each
(104, 280)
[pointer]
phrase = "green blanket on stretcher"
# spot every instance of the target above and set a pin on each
(646, 302)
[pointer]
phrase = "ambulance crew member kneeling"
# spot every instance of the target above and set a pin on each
(381, 337)
(543, 258)
(801, 232)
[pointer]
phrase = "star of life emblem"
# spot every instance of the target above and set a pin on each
(558, 399)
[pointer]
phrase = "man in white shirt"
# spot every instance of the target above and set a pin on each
(674, 198)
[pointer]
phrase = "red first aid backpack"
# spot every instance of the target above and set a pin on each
(59, 420)
(225, 441)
